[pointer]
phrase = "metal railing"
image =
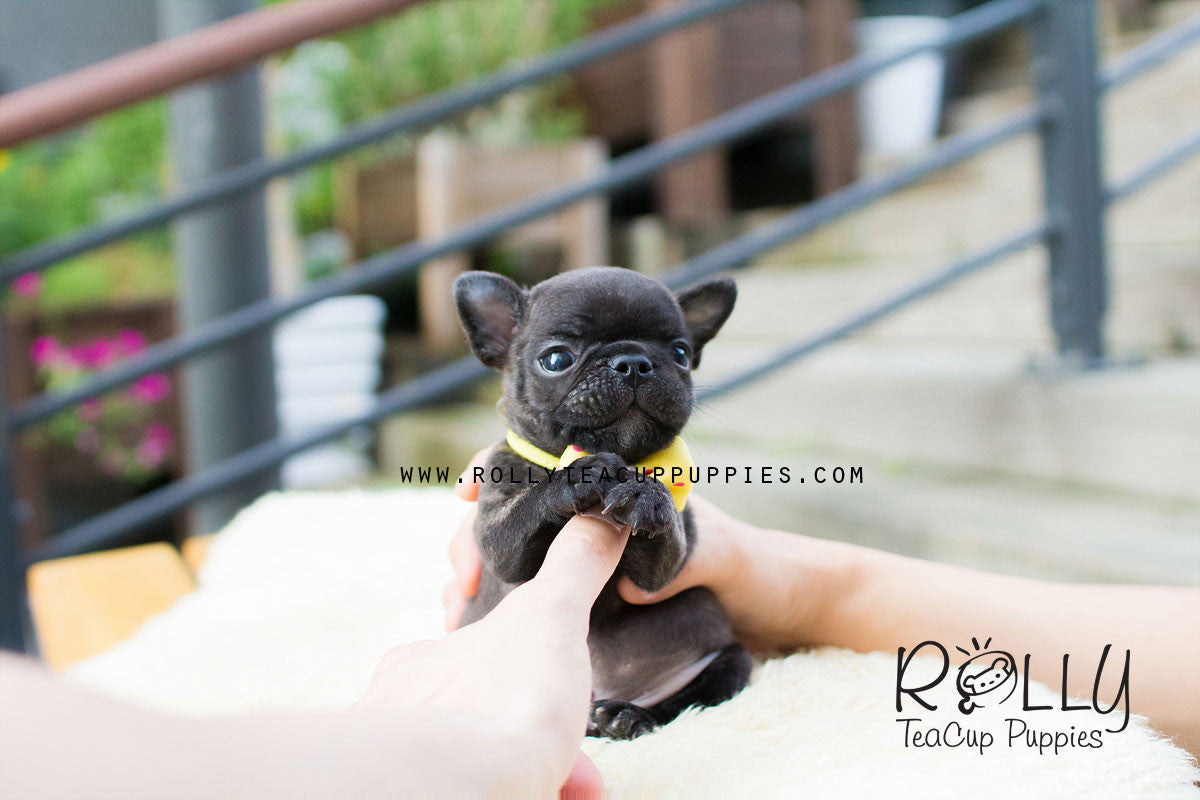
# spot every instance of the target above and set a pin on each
(1069, 85)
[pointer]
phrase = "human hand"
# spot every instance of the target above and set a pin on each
(522, 674)
(708, 565)
(777, 588)
(464, 552)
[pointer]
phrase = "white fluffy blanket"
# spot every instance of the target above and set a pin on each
(303, 593)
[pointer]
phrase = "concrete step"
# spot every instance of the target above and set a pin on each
(970, 518)
(1154, 238)
(927, 508)
(1134, 429)
(1154, 309)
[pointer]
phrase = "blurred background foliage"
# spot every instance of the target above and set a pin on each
(118, 163)
(59, 185)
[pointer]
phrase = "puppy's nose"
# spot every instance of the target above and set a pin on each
(631, 366)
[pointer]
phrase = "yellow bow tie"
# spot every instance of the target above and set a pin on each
(672, 465)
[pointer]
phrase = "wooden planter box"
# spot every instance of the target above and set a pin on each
(57, 486)
(653, 92)
(448, 182)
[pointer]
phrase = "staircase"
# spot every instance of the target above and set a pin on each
(976, 448)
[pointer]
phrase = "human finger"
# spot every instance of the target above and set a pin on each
(465, 558)
(466, 486)
(580, 560)
(584, 782)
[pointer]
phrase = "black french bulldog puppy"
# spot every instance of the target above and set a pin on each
(601, 359)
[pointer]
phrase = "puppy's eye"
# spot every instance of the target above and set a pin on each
(682, 357)
(557, 360)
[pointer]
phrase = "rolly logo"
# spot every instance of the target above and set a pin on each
(990, 677)
(985, 679)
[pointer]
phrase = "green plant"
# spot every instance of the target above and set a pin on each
(438, 45)
(326, 86)
(60, 185)
(55, 187)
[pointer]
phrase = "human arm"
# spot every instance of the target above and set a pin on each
(769, 610)
(784, 590)
(57, 740)
(499, 707)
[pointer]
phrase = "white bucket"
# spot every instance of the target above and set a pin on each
(899, 108)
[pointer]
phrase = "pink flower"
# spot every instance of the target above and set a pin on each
(129, 341)
(151, 388)
(27, 285)
(91, 410)
(150, 455)
(96, 353)
(152, 451)
(44, 350)
(160, 433)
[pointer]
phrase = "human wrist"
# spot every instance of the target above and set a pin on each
(781, 590)
(839, 574)
(864, 587)
(815, 577)
(732, 565)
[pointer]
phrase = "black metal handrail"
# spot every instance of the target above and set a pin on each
(1070, 225)
(1150, 54)
(1170, 158)
(418, 114)
(1034, 234)
(398, 262)
(105, 528)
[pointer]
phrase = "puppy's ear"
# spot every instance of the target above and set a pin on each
(491, 307)
(706, 306)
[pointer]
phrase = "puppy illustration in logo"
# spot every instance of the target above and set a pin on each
(987, 678)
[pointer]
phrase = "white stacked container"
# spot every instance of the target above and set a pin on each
(327, 369)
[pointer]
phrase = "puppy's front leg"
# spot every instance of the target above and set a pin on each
(518, 519)
(659, 545)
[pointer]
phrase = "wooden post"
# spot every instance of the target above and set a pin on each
(28, 463)
(585, 226)
(457, 181)
(440, 204)
(684, 91)
(829, 35)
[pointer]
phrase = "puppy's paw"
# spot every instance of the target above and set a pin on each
(614, 719)
(643, 505)
(588, 480)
